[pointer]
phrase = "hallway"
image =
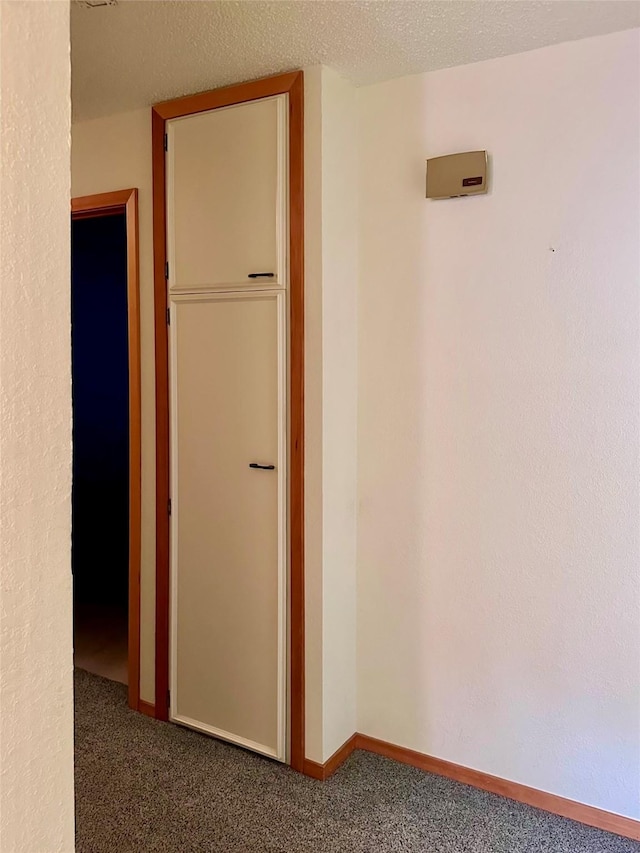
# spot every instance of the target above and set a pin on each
(147, 787)
(100, 640)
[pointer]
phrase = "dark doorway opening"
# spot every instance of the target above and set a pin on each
(100, 495)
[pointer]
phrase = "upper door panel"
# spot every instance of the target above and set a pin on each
(226, 197)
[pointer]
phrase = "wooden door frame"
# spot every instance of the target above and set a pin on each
(292, 85)
(106, 204)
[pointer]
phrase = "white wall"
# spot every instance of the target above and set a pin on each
(331, 276)
(339, 395)
(108, 154)
(36, 687)
(498, 599)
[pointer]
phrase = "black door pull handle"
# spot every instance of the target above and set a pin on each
(262, 467)
(261, 275)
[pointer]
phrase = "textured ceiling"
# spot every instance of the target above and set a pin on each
(143, 51)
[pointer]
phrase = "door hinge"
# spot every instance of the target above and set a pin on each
(169, 506)
(166, 142)
(168, 699)
(168, 316)
(166, 270)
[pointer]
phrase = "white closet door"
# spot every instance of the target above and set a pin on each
(228, 412)
(226, 187)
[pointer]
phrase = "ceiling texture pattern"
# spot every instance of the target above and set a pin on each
(138, 52)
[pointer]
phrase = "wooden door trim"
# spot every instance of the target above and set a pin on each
(291, 84)
(162, 419)
(105, 204)
(253, 90)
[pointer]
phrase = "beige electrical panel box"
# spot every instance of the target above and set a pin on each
(457, 175)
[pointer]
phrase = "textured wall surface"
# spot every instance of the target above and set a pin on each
(36, 699)
(498, 597)
(115, 154)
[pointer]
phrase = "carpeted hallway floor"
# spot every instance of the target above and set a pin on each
(152, 787)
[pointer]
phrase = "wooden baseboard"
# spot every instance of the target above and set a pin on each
(146, 708)
(590, 815)
(323, 771)
(313, 769)
(598, 818)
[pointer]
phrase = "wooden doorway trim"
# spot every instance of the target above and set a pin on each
(106, 204)
(291, 84)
